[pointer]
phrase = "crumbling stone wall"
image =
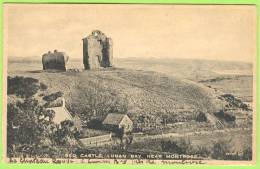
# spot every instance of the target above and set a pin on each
(54, 61)
(97, 51)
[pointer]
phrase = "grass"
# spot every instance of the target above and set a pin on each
(237, 142)
(146, 92)
(175, 92)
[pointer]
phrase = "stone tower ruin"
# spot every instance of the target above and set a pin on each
(97, 51)
(54, 60)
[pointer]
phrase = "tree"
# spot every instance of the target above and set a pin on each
(27, 124)
(64, 133)
(20, 86)
(53, 96)
(30, 126)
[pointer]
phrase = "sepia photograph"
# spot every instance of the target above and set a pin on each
(129, 84)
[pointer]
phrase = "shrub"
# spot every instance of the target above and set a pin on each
(43, 86)
(55, 103)
(225, 116)
(247, 153)
(180, 146)
(24, 87)
(203, 151)
(95, 123)
(201, 117)
(28, 124)
(234, 102)
(52, 96)
(220, 149)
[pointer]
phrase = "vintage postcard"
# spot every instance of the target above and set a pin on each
(129, 84)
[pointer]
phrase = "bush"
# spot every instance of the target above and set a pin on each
(95, 123)
(55, 103)
(180, 146)
(201, 117)
(28, 124)
(247, 153)
(52, 96)
(225, 116)
(20, 86)
(203, 151)
(43, 86)
(234, 102)
(220, 149)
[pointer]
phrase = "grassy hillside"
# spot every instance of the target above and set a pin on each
(172, 97)
(144, 92)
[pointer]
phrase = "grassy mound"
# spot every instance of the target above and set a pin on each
(137, 92)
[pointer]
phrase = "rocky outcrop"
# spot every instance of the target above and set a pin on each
(97, 51)
(54, 61)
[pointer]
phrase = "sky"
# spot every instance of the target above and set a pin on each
(214, 32)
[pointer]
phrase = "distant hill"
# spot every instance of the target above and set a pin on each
(192, 69)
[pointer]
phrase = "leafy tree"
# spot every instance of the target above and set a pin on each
(64, 133)
(53, 96)
(20, 86)
(30, 127)
(27, 124)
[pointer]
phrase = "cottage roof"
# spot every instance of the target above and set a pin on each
(114, 118)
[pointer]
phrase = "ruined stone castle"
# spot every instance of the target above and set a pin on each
(97, 51)
(54, 61)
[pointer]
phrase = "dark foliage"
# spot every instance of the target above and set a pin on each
(64, 132)
(225, 116)
(219, 151)
(95, 123)
(28, 125)
(22, 86)
(247, 154)
(53, 96)
(201, 117)
(180, 147)
(43, 86)
(202, 151)
(234, 102)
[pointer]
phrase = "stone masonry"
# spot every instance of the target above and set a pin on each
(97, 51)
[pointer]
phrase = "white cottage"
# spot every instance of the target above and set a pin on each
(61, 113)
